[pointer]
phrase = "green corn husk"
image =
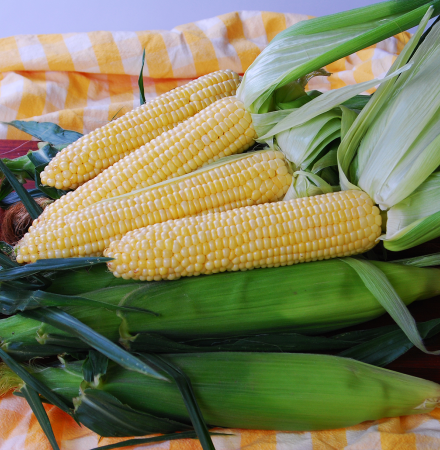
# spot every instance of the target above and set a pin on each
(248, 390)
(391, 150)
(416, 219)
(296, 53)
(306, 298)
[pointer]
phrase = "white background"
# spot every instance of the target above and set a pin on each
(63, 16)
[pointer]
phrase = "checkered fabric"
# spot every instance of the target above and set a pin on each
(19, 430)
(80, 81)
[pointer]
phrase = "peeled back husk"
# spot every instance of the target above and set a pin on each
(309, 45)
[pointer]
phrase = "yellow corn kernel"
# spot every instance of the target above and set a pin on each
(94, 152)
(266, 235)
(199, 192)
(157, 161)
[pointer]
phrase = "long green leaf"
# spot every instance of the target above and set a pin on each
(15, 300)
(107, 416)
(24, 351)
(276, 342)
(141, 80)
(34, 401)
(151, 440)
(52, 344)
(66, 322)
(32, 382)
(43, 266)
(32, 207)
(378, 284)
(186, 390)
(384, 349)
(46, 131)
(420, 261)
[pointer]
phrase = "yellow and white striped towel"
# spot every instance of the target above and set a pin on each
(81, 80)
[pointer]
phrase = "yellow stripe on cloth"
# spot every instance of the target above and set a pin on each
(81, 80)
(20, 430)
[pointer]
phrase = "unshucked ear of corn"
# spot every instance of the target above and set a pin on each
(307, 299)
(246, 390)
(240, 180)
(222, 129)
(94, 152)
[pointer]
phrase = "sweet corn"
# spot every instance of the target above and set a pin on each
(94, 152)
(269, 235)
(241, 180)
(223, 128)
(273, 391)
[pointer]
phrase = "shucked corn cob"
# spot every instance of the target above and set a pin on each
(94, 152)
(223, 128)
(240, 181)
(269, 235)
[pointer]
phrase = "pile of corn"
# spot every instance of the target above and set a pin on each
(122, 211)
(174, 190)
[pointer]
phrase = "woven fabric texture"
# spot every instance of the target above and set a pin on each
(81, 81)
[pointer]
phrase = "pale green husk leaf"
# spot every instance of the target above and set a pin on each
(303, 134)
(308, 46)
(307, 184)
(422, 203)
(420, 261)
(355, 133)
(303, 144)
(402, 119)
(378, 284)
(420, 231)
(319, 105)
